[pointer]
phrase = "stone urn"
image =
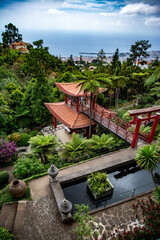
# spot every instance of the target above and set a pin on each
(17, 188)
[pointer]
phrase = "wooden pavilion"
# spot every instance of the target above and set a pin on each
(71, 111)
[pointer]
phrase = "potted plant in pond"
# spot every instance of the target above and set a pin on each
(99, 185)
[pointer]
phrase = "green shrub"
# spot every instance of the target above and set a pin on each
(16, 137)
(26, 167)
(24, 140)
(98, 182)
(4, 177)
(33, 133)
(5, 235)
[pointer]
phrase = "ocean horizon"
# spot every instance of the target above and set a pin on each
(63, 44)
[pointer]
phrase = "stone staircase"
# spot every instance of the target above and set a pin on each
(11, 217)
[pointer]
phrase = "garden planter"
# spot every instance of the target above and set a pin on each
(17, 188)
(108, 191)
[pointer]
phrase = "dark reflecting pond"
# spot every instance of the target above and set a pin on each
(127, 181)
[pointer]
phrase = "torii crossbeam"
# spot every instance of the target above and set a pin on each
(138, 118)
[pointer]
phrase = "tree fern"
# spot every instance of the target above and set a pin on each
(153, 78)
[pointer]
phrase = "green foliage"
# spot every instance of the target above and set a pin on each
(157, 194)
(153, 78)
(85, 223)
(37, 93)
(43, 145)
(2, 101)
(148, 158)
(90, 83)
(118, 82)
(101, 57)
(103, 141)
(139, 49)
(75, 150)
(24, 141)
(4, 110)
(16, 137)
(5, 235)
(11, 35)
(39, 58)
(16, 97)
(115, 63)
(33, 133)
(66, 77)
(9, 57)
(10, 124)
(98, 183)
(10, 87)
(4, 177)
(145, 129)
(26, 167)
(126, 117)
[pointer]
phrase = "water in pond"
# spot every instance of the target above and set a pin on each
(127, 181)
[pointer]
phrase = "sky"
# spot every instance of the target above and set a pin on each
(127, 17)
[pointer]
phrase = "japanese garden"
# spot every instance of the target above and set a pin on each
(85, 135)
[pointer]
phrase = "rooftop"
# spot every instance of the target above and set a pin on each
(68, 116)
(73, 89)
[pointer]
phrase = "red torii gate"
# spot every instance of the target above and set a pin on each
(139, 119)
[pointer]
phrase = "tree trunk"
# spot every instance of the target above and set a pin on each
(45, 158)
(116, 99)
(90, 125)
(40, 155)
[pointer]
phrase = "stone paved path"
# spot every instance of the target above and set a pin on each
(42, 220)
(60, 132)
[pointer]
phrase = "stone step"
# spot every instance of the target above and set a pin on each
(19, 218)
(8, 215)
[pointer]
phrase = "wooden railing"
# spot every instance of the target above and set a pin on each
(109, 119)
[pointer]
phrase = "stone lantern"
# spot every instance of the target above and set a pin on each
(65, 206)
(53, 172)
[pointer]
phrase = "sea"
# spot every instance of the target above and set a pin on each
(64, 44)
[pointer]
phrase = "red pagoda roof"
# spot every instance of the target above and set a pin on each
(68, 116)
(72, 89)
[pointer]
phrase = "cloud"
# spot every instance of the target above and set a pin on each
(54, 11)
(153, 21)
(139, 8)
(81, 5)
(107, 14)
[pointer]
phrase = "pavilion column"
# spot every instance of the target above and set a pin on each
(87, 132)
(135, 137)
(150, 138)
(65, 98)
(77, 108)
(54, 122)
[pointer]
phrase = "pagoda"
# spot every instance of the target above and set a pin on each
(71, 112)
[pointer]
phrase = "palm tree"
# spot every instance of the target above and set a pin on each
(91, 83)
(43, 145)
(102, 141)
(117, 83)
(148, 158)
(74, 150)
(138, 79)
